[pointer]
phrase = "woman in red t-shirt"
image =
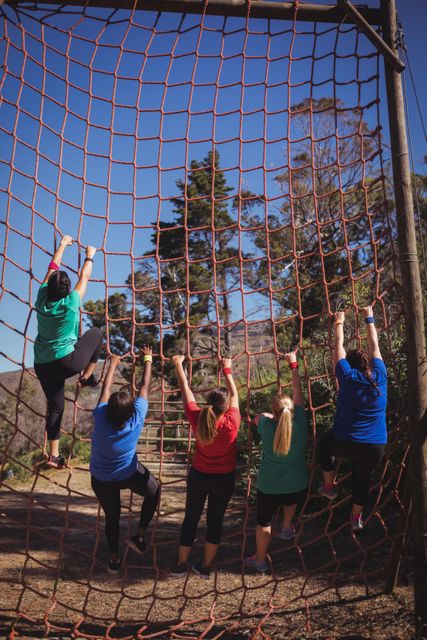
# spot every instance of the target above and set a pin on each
(212, 472)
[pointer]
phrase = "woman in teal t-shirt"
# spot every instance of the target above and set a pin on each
(59, 353)
(283, 475)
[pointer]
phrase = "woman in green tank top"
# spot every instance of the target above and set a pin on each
(283, 476)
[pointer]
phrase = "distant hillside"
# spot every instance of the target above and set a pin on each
(28, 411)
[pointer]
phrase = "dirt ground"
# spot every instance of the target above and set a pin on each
(329, 584)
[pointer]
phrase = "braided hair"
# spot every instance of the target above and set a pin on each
(358, 359)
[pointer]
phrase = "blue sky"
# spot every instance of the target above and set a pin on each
(120, 199)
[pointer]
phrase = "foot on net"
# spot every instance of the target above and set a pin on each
(137, 544)
(356, 522)
(251, 562)
(179, 570)
(287, 533)
(330, 492)
(114, 566)
(200, 570)
(56, 462)
(91, 381)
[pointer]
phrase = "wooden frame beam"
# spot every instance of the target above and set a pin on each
(355, 16)
(307, 12)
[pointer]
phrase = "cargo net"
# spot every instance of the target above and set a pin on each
(230, 172)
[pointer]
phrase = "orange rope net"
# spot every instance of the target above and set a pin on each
(118, 127)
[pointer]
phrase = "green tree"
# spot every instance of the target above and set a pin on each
(319, 237)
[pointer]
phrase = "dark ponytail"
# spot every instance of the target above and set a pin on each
(358, 359)
(58, 286)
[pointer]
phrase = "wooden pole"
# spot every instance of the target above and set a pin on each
(414, 321)
(364, 26)
(307, 12)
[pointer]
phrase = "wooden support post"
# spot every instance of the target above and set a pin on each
(414, 321)
(364, 26)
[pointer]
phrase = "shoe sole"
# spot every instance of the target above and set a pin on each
(135, 548)
(325, 495)
(201, 575)
(178, 575)
(113, 572)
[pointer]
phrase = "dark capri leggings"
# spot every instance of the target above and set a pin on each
(363, 456)
(218, 489)
(108, 493)
(52, 376)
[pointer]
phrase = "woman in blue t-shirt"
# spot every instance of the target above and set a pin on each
(359, 431)
(59, 352)
(283, 476)
(114, 464)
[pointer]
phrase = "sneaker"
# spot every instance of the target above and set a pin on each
(179, 570)
(356, 522)
(200, 570)
(56, 462)
(114, 566)
(331, 494)
(287, 533)
(87, 382)
(253, 564)
(137, 544)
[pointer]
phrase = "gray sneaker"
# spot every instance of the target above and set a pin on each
(331, 494)
(288, 533)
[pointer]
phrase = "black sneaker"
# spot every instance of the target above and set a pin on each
(179, 570)
(56, 462)
(137, 544)
(200, 570)
(91, 381)
(114, 566)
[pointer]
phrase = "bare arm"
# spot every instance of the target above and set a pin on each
(106, 387)
(146, 374)
(339, 351)
(187, 394)
(85, 272)
(372, 335)
(296, 380)
(231, 386)
(66, 241)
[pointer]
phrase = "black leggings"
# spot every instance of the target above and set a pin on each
(108, 493)
(218, 488)
(52, 376)
(363, 456)
(268, 503)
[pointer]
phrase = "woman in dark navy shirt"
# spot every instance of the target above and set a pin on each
(359, 431)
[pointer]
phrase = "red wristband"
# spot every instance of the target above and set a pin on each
(293, 365)
(53, 265)
(227, 371)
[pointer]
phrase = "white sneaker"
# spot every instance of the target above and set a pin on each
(356, 522)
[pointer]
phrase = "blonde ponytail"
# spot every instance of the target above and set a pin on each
(283, 435)
(206, 428)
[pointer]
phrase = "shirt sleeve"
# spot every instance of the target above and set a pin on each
(343, 371)
(99, 409)
(301, 416)
(41, 292)
(378, 364)
(75, 300)
(140, 411)
(192, 411)
(233, 419)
